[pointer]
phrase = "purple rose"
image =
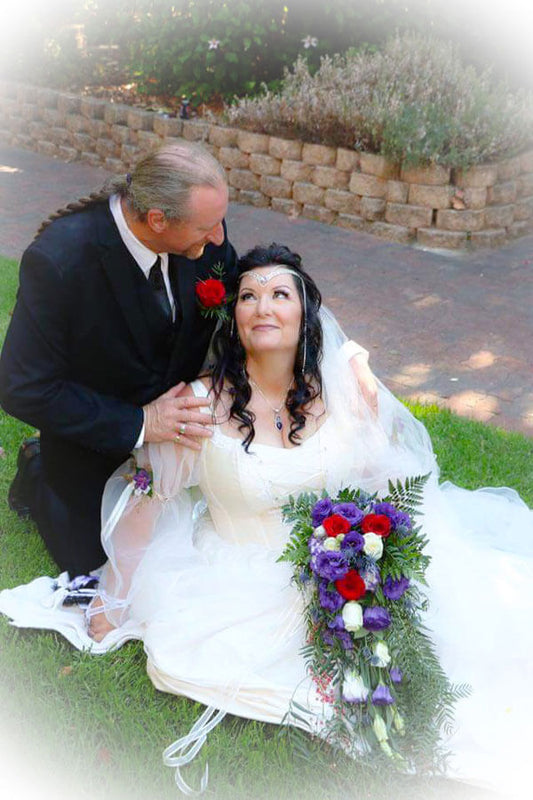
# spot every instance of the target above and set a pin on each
(381, 696)
(321, 510)
(394, 589)
(396, 675)
(371, 575)
(331, 565)
(329, 600)
(350, 512)
(396, 517)
(353, 540)
(376, 618)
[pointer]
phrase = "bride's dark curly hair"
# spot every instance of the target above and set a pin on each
(230, 356)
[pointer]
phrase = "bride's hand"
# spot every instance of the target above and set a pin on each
(366, 380)
(98, 624)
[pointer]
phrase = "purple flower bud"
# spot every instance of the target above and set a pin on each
(353, 540)
(142, 481)
(349, 511)
(381, 696)
(396, 675)
(321, 510)
(329, 600)
(330, 565)
(345, 639)
(394, 589)
(376, 618)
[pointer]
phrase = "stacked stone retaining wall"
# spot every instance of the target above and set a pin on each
(435, 206)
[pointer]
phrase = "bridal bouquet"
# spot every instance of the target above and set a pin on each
(359, 563)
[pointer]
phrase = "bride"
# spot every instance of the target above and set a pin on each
(193, 538)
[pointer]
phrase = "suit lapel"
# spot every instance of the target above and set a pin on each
(183, 281)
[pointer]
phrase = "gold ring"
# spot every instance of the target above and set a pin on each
(177, 437)
(182, 428)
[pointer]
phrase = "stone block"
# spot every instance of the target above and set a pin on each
(51, 116)
(342, 202)
(22, 140)
(330, 178)
(31, 112)
(120, 134)
(114, 165)
(408, 216)
(523, 209)
(478, 176)
(318, 213)
(502, 193)
(274, 186)
(195, 130)
(509, 169)
(60, 136)
(320, 155)
(520, 228)
(381, 167)
(243, 179)
(92, 107)
(167, 126)
(90, 158)
(434, 175)
(233, 194)
(492, 237)
(464, 220)
(140, 120)
(47, 148)
(128, 154)
(372, 208)
(263, 164)
(233, 158)
(368, 185)
(347, 160)
(352, 221)
(257, 199)
(223, 137)
(67, 153)
(107, 148)
(148, 140)
(76, 123)
(499, 216)
(394, 233)
(526, 161)
(37, 131)
(430, 196)
(285, 148)
(524, 185)
(475, 198)
(296, 171)
(116, 113)
(451, 240)
(82, 142)
(397, 192)
(98, 128)
(67, 103)
(288, 207)
(308, 194)
(252, 142)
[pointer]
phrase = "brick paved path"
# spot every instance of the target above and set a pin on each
(455, 329)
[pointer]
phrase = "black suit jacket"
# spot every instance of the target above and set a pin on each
(88, 345)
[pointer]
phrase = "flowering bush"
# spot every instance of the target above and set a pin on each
(413, 101)
(358, 562)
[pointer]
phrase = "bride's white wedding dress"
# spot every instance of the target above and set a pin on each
(194, 574)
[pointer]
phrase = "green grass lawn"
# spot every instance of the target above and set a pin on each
(98, 721)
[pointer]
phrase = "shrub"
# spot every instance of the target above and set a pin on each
(413, 101)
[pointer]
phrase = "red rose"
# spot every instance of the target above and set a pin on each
(336, 524)
(376, 523)
(352, 586)
(211, 292)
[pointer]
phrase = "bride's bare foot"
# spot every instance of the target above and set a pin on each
(98, 624)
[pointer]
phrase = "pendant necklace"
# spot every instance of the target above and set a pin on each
(278, 422)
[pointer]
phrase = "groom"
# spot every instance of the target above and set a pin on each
(105, 327)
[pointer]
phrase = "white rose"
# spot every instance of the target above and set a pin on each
(352, 616)
(382, 655)
(320, 532)
(373, 545)
(331, 543)
(380, 729)
(353, 688)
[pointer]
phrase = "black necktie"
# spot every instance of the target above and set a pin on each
(160, 290)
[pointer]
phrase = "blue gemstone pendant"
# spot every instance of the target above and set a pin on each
(278, 422)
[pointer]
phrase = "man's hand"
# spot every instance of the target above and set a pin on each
(177, 417)
(366, 380)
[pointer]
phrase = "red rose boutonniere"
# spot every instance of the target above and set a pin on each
(212, 296)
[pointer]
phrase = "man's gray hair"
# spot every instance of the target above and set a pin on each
(162, 179)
